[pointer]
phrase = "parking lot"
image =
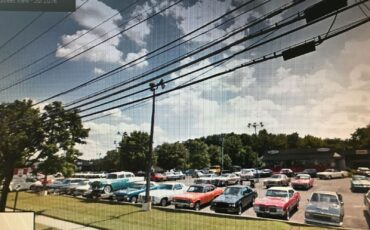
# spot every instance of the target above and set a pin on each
(354, 210)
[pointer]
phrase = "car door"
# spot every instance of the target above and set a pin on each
(292, 198)
(246, 196)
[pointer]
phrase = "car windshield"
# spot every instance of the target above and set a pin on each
(135, 186)
(195, 189)
(302, 177)
(327, 198)
(166, 186)
(275, 176)
(112, 176)
(232, 191)
(277, 193)
(309, 170)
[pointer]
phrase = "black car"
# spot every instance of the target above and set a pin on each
(234, 199)
(265, 173)
(311, 172)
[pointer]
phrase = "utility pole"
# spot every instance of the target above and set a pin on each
(147, 204)
(222, 152)
(255, 125)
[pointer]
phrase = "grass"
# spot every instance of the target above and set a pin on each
(126, 216)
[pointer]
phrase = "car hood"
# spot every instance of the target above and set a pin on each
(301, 181)
(276, 201)
(362, 182)
(160, 192)
(127, 191)
(274, 179)
(323, 208)
(189, 195)
(227, 198)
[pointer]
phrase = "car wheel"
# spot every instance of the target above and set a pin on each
(164, 202)
(107, 189)
(134, 199)
(240, 210)
(197, 206)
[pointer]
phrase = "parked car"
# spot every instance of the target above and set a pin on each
(69, 188)
(302, 181)
(197, 174)
(209, 178)
(367, 202)
(114, 181)
(234, 199)
(22, 183)
(170, 176)
(363, 171)
(276, 180)
(247, 175)
(216, 169)
(196, 196)
(131, 193)
(82, 189)
(179, 175)
(325, 208)
(164, 193)
(311, 172)
(332, 173)
(157, 177)
(59, 183)
(287, 172)
(360, 183)
(278, 201)
(227, 179)
(265, 173)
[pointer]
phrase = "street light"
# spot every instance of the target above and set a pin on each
(147, 204)
(255, 125)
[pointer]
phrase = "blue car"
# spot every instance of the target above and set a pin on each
(131, 193)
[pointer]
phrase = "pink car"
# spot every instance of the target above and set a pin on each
(302, 181)
(278, 201)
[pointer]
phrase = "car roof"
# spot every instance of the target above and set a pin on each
(281, 188)
(303, 174)
(202, 185)
(326, 192)
(238, 186)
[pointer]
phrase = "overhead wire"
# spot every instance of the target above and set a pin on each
(87, 49)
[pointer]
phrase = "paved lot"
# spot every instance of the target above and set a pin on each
(354, 209)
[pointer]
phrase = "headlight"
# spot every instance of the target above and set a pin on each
(256, 208)
(278, 209)
(231, 205)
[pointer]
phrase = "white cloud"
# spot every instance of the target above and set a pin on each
(98, 71)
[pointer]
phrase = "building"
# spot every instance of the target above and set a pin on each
(299, 159)
(357, 158)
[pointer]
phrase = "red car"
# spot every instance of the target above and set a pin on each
(157, 177)
(196, 196)
(278, 201)
(302, 181)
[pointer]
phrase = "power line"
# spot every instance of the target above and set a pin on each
(135, 61)
(21, 30)
(198, 50)
(41, 34)
(276, 54)
(68, 43)
(89, 48)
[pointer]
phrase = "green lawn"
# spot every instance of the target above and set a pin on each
(126, 216)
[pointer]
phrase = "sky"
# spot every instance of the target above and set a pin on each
(325, 93)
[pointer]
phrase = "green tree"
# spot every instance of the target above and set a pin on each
(198, 154)
(233, 147)
(133, 151)
(214, 153)
(360, 139)
(172, 156)
(309, 142)
(28, 136)
(227, 162)
(293, 141)
(110, 162)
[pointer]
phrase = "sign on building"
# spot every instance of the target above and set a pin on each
(38, 5)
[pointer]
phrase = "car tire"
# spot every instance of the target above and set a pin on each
(107, 189)
(164, 202)
(133, 199)
(240, 210)
(197, 206)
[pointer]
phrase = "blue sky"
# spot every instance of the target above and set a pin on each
(325, 93)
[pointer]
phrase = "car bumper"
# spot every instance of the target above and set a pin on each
(300, 186)
(224, 209)
(277, 213)
(183, 205)
(359, 189)
(314, 221)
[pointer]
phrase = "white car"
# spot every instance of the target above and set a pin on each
(332, 173)
(179, 175)
(171, 176)
(227, 179)
(22, 183)
(163, 195)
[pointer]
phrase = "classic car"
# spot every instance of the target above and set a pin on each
(325, 208)
(360, 183)
(196, 196)
(287, 172)
(332, 173)
(208, 178)
(22, 183)
(171, 176)
(302, 181)
(265, 173)
(69, 188)
(81, 189)
(278, 201)
(247, 175)
(179, 175)
(114, 181)
(216, 169)
(276, 180)
(234, 199)
(311, 172)
(157, 177)
(363, 171)
(131, 193)
(164, 193)
(227, 179)
(367, 202)
(58, 184)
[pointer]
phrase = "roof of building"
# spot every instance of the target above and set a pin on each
(301, 154)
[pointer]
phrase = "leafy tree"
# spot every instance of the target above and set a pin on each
(170, 156)
(227, 161)
(198, 154)
(233, 147)
(133, 151)
(360, 139)
(214, 153)
(293, 141)
(110, 162)
(309, 142)
(28, 137)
